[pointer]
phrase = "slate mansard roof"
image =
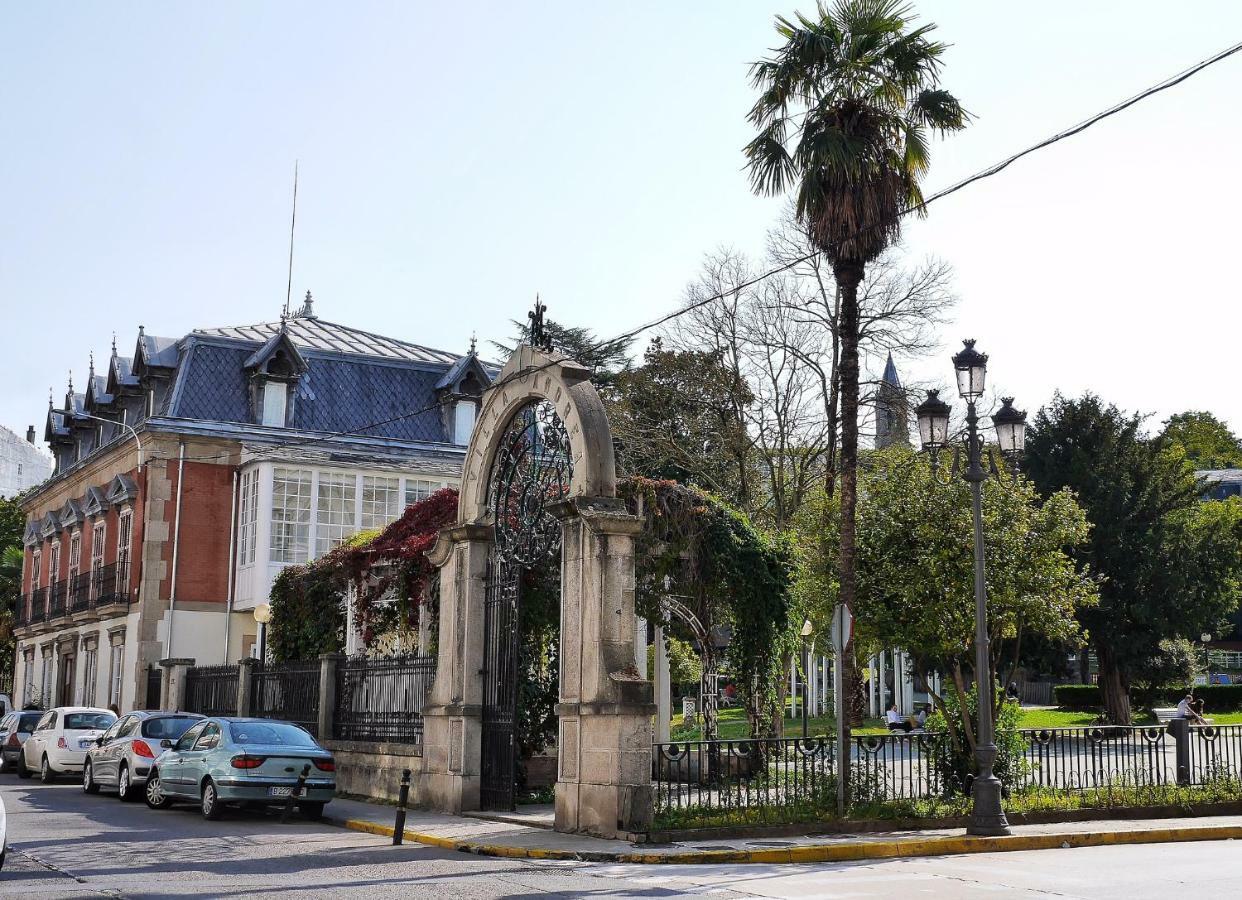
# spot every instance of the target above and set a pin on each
(342, 380)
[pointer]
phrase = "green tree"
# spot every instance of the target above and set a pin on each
(1205, 441)
(916, 572)
(855, 91)
(12, 527)
(1169, 564)
(605, 359)
(676, 417)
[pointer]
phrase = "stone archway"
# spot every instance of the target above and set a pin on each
(604, 778)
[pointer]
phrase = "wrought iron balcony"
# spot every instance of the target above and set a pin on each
(80, 593)
(58, 593)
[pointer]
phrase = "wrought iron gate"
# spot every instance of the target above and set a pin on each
(532, 469)
(502, 615)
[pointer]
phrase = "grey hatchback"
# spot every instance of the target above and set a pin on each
(14, 729)
(123, 754)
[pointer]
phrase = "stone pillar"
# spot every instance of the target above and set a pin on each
(604, 786)
(452, 719)
(172, 694)
(327, 693)
(663, 688)
(245, 683)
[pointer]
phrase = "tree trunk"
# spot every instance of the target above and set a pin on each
(1114, 688)
(848, 275)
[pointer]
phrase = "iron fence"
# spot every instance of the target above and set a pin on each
(287, 691)
(382, 699)
(1037, 693)
(900, 766)
(155, 684)
(104, 588)
(790, 777)
(1215, 753)
(1097, 756)
(212, 690)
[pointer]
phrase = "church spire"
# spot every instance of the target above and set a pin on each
(892, 419)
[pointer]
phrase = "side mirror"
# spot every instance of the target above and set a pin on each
(166, 743)
(99, 741)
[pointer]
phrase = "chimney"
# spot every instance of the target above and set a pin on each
(30, 433)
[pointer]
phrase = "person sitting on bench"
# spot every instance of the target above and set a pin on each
(896, 721)
(1186, 710)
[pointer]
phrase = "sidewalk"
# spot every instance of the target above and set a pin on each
(516, 839)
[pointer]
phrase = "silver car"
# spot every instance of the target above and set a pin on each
(14, 729)
(122, 755)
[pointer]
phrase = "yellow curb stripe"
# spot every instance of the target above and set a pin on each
(840, 852)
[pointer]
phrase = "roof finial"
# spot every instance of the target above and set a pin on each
(91, 377)
(473, 342)
(308, 310)
(141, 332)
(50, 389)
(114, 343)
(537, 334)
(71, 382)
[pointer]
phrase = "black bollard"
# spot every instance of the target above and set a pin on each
(403, 797)
(295, 794)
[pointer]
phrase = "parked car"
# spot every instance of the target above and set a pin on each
(6, 705)
(122, 756)
(14, 729)
(233, 760)
(60, 740)
(4, 833)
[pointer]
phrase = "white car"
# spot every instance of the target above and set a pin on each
(59, 742)
(4, 833)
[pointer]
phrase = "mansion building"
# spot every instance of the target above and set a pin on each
(189, 474)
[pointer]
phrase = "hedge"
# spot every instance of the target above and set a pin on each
(1215, 697)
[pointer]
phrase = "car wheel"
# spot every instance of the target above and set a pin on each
(125, 786)
(154, 794)
(89, 786)
(46, 775)
(22, 771)
(211, 805)
(312, 809)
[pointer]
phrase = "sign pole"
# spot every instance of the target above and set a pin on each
(842, 631)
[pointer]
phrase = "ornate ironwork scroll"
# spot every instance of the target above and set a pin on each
(532, 469)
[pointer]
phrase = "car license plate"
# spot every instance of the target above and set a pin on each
(84, 743)
(280, 791)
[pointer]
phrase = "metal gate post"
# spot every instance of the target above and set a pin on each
(245, 682)
(1180, 729)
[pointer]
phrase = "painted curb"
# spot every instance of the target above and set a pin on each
(839, 852)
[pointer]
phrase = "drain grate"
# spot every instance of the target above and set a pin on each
(772, 843)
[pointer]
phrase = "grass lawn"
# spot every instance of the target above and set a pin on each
(733, 723)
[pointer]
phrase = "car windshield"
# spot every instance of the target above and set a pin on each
(87, 720)
(29, 721)
(168, 727)
(271, 733)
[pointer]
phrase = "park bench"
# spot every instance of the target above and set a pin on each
(1164, 714)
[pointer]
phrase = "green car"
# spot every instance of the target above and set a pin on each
(242, 761)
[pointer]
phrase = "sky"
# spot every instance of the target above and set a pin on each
(457, 159)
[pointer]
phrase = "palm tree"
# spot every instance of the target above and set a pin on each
(864, 83)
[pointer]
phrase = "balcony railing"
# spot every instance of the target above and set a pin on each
(80, 593)
(58, 593)
(109, 588)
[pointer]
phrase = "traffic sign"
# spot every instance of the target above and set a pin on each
(842, 627)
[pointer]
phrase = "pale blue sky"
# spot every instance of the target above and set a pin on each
(454, 161)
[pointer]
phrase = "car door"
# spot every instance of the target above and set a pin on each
(172, 764)
(104, 758)
(32, 750)
(194, 761)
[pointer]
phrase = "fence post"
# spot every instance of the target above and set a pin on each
(173, 683)
(245, 680)
(327, 693)
(1180, 729)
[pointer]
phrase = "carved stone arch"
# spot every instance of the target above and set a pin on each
(534, 375)
(605, 706)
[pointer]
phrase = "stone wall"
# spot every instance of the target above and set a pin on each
(369, 769)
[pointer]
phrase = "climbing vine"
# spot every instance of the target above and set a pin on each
(700, 550)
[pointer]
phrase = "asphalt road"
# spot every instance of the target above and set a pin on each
(63, 843)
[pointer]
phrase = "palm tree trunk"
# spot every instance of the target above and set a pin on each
(849, 275)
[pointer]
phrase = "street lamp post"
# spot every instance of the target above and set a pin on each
(987, 817)
(263, 615)
(806, 673)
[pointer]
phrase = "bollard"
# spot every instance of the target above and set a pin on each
(403, 797)
(295, 794)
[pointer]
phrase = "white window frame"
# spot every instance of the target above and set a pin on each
(49, 659)
(90, 676)
(75, 555)
(336, 509)
(28, 658)
(291, 522)
(248, 519)
(124, 547)
(99, 538)
(116, 665)
(53, 563)
(380, 501)
(275, 404)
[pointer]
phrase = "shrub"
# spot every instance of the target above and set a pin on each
(1215, 697)
(956, 765)
(1078, 696)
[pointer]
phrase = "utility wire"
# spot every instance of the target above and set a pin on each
(1171, 81)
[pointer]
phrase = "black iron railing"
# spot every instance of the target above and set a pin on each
(155, 683)
(1097, 756)
(287, 691)
(29, 608)
(105, 587)
(382, 699)
(792, 778)
(1215, 753)
(211, 690)
(901, 766)
(80, 593)
(57, 594)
